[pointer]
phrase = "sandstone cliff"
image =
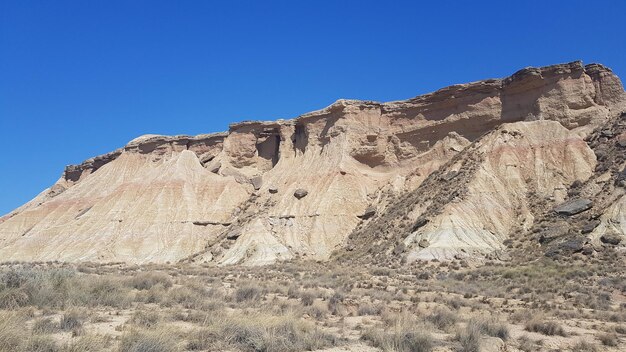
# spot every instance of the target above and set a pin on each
(444, 174)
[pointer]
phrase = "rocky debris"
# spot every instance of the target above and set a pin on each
(611, 238)
(73, 173)
(300, 193)
(215, 167)
(574, 206)
(209, 222)
(273, 190)
(449, 175)
(368, 213)
(590, 226)
(553, 231)
(421, 221)
(566, 247)
(423, 243)
(492, 344)
(257, 182)
(56, 190)
(82, 212)
(587, 250)
(621, 140)
(233, 234)
(607, 133)
(399, 249)
(620, 180)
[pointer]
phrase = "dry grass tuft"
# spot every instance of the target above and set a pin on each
(147, 280)
(469, 338)
(549, 328)
(260, 332)
(149, 341)
(403, 334)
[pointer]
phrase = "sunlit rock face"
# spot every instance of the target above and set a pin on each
(272, 191)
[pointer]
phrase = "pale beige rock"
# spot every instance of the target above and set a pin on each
(612, 223)
(140, 203)
(539, 156)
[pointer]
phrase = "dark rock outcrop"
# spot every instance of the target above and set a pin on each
(574, 206)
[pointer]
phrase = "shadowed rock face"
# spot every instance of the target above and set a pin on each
(229, 197)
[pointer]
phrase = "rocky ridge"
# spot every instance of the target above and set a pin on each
(454, 173)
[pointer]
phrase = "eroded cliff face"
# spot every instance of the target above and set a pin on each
(268, 191)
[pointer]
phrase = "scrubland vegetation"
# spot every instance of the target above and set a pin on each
(545, 305)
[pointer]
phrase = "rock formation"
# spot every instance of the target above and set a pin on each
(451, 173)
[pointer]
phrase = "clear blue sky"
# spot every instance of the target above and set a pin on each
(81, 78)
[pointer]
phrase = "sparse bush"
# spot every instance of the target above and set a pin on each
(38, 343)
(318, 310)
(549, 328)
(155, 294)
(399, 340)
(403, 334)
(13, 298)
(11, 331)
(443, 318)
(521, 316)
(187, 297)
(584, 346)
(247, 293)
(424, 275)
(526, 344)
(147, 280)
(259, 332)
(307, 298)
(146, 319)
(491, 327)
(103, 291)
(335, 302)
(45, 326)
(148, 341)
(72, 320)
(469, 338)
(608, 339)
(293, 291)
(368, 309)
(87, 343)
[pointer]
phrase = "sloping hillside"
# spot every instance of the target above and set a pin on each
(446, 174)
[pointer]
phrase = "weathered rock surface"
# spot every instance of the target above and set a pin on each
(368, 213)
(538, 157)
(574, 206)
(215, 197)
